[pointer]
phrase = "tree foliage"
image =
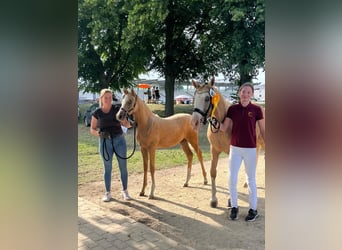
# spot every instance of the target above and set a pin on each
(180, 39)
(239, 30)
(107, 58)
(173, 28)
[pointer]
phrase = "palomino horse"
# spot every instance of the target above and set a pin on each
(154, 132)
(209, 103)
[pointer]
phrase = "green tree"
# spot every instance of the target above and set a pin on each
(240, 27)
(195, 38)
(172, 29)
(180, 39)
(105, 58)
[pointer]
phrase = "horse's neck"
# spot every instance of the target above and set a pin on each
(221, 109)
(142, 114)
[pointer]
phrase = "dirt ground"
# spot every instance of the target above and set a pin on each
(184, 213)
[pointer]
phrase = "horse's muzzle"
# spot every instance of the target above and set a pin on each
(121, 114)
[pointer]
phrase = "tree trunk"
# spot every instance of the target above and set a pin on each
(244, 78)
(169, 60)
(169, 95)
(103, 82)
(244, 74)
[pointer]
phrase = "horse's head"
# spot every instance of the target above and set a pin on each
(203, 97)
(128, 104)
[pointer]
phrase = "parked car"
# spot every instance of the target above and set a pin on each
(88, 113)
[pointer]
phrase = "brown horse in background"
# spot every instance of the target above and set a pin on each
(219, 141)
(154, 132)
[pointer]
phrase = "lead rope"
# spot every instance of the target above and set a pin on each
(105, 150)
(116, 153)
(214, 125)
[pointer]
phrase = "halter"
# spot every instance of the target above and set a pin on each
(211, 93)
(214, 123)
(127, 112)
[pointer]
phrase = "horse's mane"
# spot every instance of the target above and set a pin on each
(142, 103)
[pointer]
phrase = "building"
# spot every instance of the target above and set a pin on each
(259, 92)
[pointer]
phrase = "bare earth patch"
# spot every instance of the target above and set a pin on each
(184, 214)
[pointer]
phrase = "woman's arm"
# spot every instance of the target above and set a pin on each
(225, 124)
(93, 129)
(261, 125)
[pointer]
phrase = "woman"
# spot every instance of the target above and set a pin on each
(241, 119)
(111, 141)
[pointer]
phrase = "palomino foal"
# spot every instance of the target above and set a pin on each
(154, 132)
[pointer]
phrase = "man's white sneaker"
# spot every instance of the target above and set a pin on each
(107, 196)
(125, 195)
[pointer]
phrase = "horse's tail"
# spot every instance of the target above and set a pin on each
(190, 146)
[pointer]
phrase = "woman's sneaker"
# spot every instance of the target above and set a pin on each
(234, 213)
(107, 196)
(252, 215)
(125, 195)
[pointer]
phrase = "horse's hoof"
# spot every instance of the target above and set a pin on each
(205, 182)
(229, 203)
(142, 194)
(151, 197)
(185, 185)
(245, 185)
(213, 204)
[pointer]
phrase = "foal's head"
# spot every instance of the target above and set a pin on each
(202, 102)
(128, 104)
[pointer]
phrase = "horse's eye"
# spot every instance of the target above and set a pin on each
(207, 98)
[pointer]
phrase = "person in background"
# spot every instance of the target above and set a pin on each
(153, 94)
(107, 128)
(157, 94)
(149, 95)
(241, 120)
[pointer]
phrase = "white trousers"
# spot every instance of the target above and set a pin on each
(249, 156)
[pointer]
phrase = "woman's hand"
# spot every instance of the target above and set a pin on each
(126, 123)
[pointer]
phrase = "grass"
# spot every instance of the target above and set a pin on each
(90, 163)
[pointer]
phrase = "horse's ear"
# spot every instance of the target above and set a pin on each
(125, 90)
(194, 83)
(212, 81)
(132, 90)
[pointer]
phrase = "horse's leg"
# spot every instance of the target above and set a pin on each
(213, 172)
(152, 154)
(200, 158)
(145, 161)
(189, 156)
